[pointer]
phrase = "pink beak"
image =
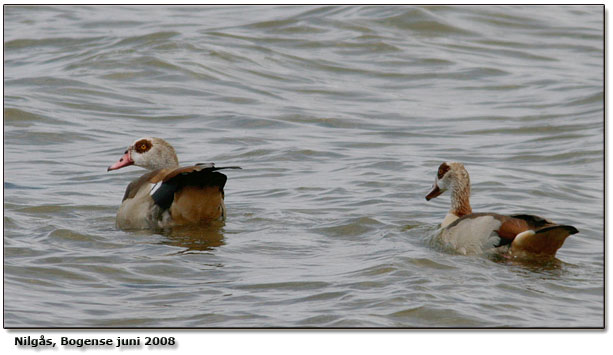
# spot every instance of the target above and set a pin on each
(125, 160)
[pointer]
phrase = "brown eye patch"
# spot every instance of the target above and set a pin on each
(142, 145)
(442, 170)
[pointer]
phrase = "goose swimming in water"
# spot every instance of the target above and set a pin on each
(168, 195)
(475, 233)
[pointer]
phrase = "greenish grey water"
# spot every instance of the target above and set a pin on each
(339, 117)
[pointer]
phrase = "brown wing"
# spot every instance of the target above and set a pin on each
(545, 239)
(151, 177)
(515, 224)
(186, 170)
(195, 168)
(510, 228)
(199, 176)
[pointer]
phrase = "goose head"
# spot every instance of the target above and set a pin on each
(150, 153)
(453, 176)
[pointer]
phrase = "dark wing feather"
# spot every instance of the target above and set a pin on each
(546, 241)
(201, 175)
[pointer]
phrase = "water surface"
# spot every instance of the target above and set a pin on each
(339, 117)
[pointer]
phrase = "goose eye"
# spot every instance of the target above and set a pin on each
(142, 146)
(442, 170)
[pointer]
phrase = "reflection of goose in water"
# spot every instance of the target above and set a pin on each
(195, 237)
(474, 233)
(169, 195)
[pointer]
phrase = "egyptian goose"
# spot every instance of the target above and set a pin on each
(474, 233)
(168, 195)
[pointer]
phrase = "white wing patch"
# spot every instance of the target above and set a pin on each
(155, 188)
